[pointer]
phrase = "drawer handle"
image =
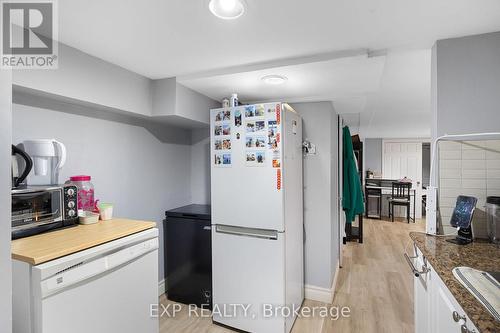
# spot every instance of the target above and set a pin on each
(457, 317)
(464, 329)
(414, 270)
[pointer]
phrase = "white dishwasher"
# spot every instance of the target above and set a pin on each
(105, 289)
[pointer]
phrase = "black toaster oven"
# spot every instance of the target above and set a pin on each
(38, 209)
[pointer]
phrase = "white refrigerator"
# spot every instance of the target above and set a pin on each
(257, 216)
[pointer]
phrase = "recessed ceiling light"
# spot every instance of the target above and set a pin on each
(274, 79)
(227, 9)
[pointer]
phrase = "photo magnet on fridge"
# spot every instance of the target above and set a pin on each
(259, 111)
(260, 126)
(218, 130)
(250, 126)
(250, 111)
(226, 159)
(255, 158)
(218, 144)
(272, 134)
(219, 116)
(260, 142)
(237, 118)
(226, 144)
(222, 160)
(226, 129)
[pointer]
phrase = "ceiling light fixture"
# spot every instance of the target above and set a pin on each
(274, 79)
(227, 9)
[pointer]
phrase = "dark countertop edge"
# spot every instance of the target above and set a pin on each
(483, 320)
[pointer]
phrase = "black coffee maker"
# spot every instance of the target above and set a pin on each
(18, 177)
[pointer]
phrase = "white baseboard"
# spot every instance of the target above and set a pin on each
(161, 287)
(321, 294)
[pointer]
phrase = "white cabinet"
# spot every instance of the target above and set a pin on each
(422, 306)
(436, 310)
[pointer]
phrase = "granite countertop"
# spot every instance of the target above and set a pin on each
(444, 256)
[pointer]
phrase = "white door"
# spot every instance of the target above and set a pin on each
(404, 159)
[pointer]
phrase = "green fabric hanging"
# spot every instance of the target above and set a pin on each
(352, 194)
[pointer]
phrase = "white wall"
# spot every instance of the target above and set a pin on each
(5, 203)
(466, 85)
(468, 168)
(129, 166)
(321, 248)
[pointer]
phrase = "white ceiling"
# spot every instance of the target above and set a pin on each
(166, 38)
(319, 80)
(322, 46)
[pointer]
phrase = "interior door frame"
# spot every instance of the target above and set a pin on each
(418, 193)
(340, 211)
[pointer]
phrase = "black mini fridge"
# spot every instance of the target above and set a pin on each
(188, 255)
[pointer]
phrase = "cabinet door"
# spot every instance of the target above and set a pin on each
(422, 295)
(443, 308)
(444, 312)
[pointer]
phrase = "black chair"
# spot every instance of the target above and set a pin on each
(400, 197)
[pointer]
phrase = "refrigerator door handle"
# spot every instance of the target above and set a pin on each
(248, 232)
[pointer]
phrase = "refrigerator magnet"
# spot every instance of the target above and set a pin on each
(219, 115)
(237, 118)
(226, 144)
(259, 111)
(255, 158)
(250, 111)
(218, 130)
(226, 129)
(226, 115)
(278, 113)
(218, 144)
(222, 160)
(250, 127)
(260, 125)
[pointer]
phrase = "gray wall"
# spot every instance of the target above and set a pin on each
(466, 85)
(373, 154)
(200, 166)
(5, 204)
(321, 248)
(129, 166)
(84, 77)
(426, 163)
(193, 105)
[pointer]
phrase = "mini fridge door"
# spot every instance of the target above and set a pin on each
(248, 271)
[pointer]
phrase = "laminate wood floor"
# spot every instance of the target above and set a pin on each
(375, 282)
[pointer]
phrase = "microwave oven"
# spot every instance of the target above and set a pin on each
(38, 209)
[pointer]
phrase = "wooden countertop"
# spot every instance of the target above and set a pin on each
(51, 245)
(444, 256)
